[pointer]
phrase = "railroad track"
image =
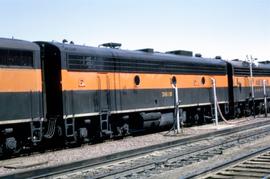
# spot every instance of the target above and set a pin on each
(252, 165)
(151, 161)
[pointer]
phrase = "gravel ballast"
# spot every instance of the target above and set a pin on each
(108, 147)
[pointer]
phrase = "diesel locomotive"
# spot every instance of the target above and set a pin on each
(51, 91)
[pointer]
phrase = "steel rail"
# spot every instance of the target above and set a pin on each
(213, 171)
(187, 156)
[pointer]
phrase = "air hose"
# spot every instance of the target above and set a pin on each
(225, 120)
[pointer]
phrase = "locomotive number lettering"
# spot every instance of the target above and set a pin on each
(166, 93)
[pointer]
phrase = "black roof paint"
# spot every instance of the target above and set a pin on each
(18, 44)
(244, 64)
(130, 54)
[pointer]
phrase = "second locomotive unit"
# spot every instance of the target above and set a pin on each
(118, 91)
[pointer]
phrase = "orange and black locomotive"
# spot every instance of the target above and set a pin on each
(54, 91)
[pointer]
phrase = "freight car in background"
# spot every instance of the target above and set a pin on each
(55, 92)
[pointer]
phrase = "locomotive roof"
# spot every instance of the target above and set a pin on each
(133, 54)
(245, 64)
(18, 44)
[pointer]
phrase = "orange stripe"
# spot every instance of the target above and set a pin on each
(93, 81)
(245, 81)
(20, 80)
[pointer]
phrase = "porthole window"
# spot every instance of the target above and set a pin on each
(137, 80)
(203, 80)
(174, 81)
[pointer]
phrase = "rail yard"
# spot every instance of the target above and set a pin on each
(197, 151)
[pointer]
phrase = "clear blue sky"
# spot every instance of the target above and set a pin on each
(230, 28)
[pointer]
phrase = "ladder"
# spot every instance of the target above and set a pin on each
(70, 123)
(70, 127)
(35, 124)
(36, 130)
(105, 128)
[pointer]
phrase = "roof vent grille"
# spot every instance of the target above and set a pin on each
(181, 52)
(265, 62)
(148, 50)
(111, 45)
